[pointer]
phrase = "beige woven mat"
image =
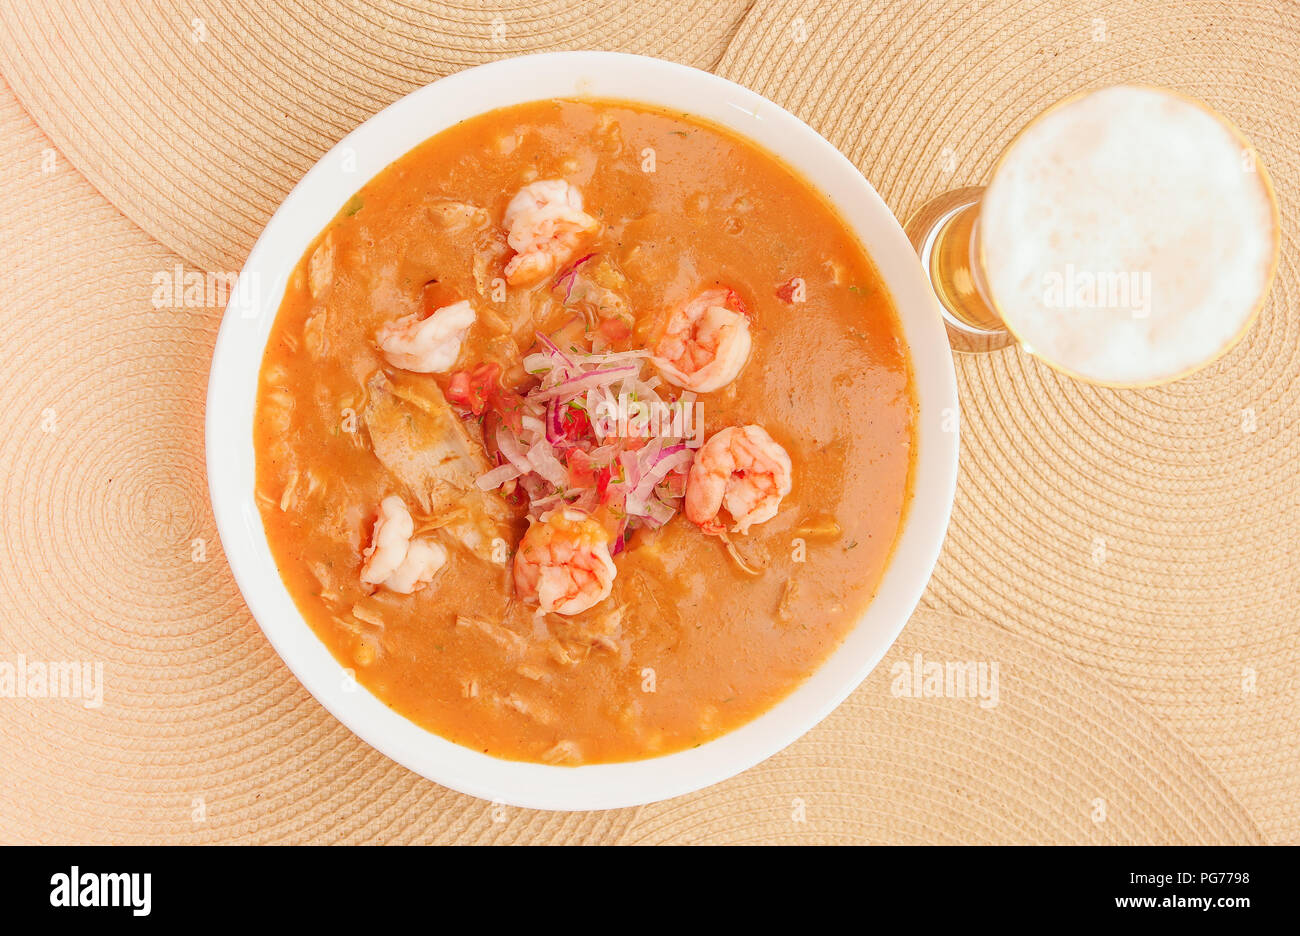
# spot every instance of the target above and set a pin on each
(1127, 559)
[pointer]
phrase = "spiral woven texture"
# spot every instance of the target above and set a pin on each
(1128, 559)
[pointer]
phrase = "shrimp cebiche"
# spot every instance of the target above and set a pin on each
(563, 561)
(705, 344)
(741, 469)
(395, 560)
(545, 224)
(427, 345)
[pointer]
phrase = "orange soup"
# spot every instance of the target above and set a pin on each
(584, 432)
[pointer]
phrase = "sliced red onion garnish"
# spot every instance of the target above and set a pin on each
(554, 431)
(624, 478)
(542, 457)
(532, 425)
(650, 453)
(571, 275)
(646, 485)
(576, 385)
(538, 362)
(497, 477)
(587, 501)
(544, 503)
(533, 486)
(657, 513)
(512, 450)
(614, 357)
(555, 349)
(631, 468)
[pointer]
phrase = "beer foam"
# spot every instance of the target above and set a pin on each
(1127, 236)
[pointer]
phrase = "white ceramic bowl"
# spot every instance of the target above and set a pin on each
(314, 202)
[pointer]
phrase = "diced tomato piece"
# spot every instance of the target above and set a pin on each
(582, 471)
(605, 479)
(510, 405)
(574, 423)
(481, 389)
(458, 391)
(474, 389)
(615, 329)
(785, 292)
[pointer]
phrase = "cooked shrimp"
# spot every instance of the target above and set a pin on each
(388, 545)
(393, 559)
(423, 559)
(545, 225)
(430, 345)
(706, 343)
(741, 469)
(563, 561)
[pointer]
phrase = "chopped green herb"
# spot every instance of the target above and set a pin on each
(353, 206)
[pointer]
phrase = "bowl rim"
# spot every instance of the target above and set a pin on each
(316, 199)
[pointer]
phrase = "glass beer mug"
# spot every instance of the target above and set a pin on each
(1127, 237)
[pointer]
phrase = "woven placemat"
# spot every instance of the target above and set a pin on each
(1127, 558)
